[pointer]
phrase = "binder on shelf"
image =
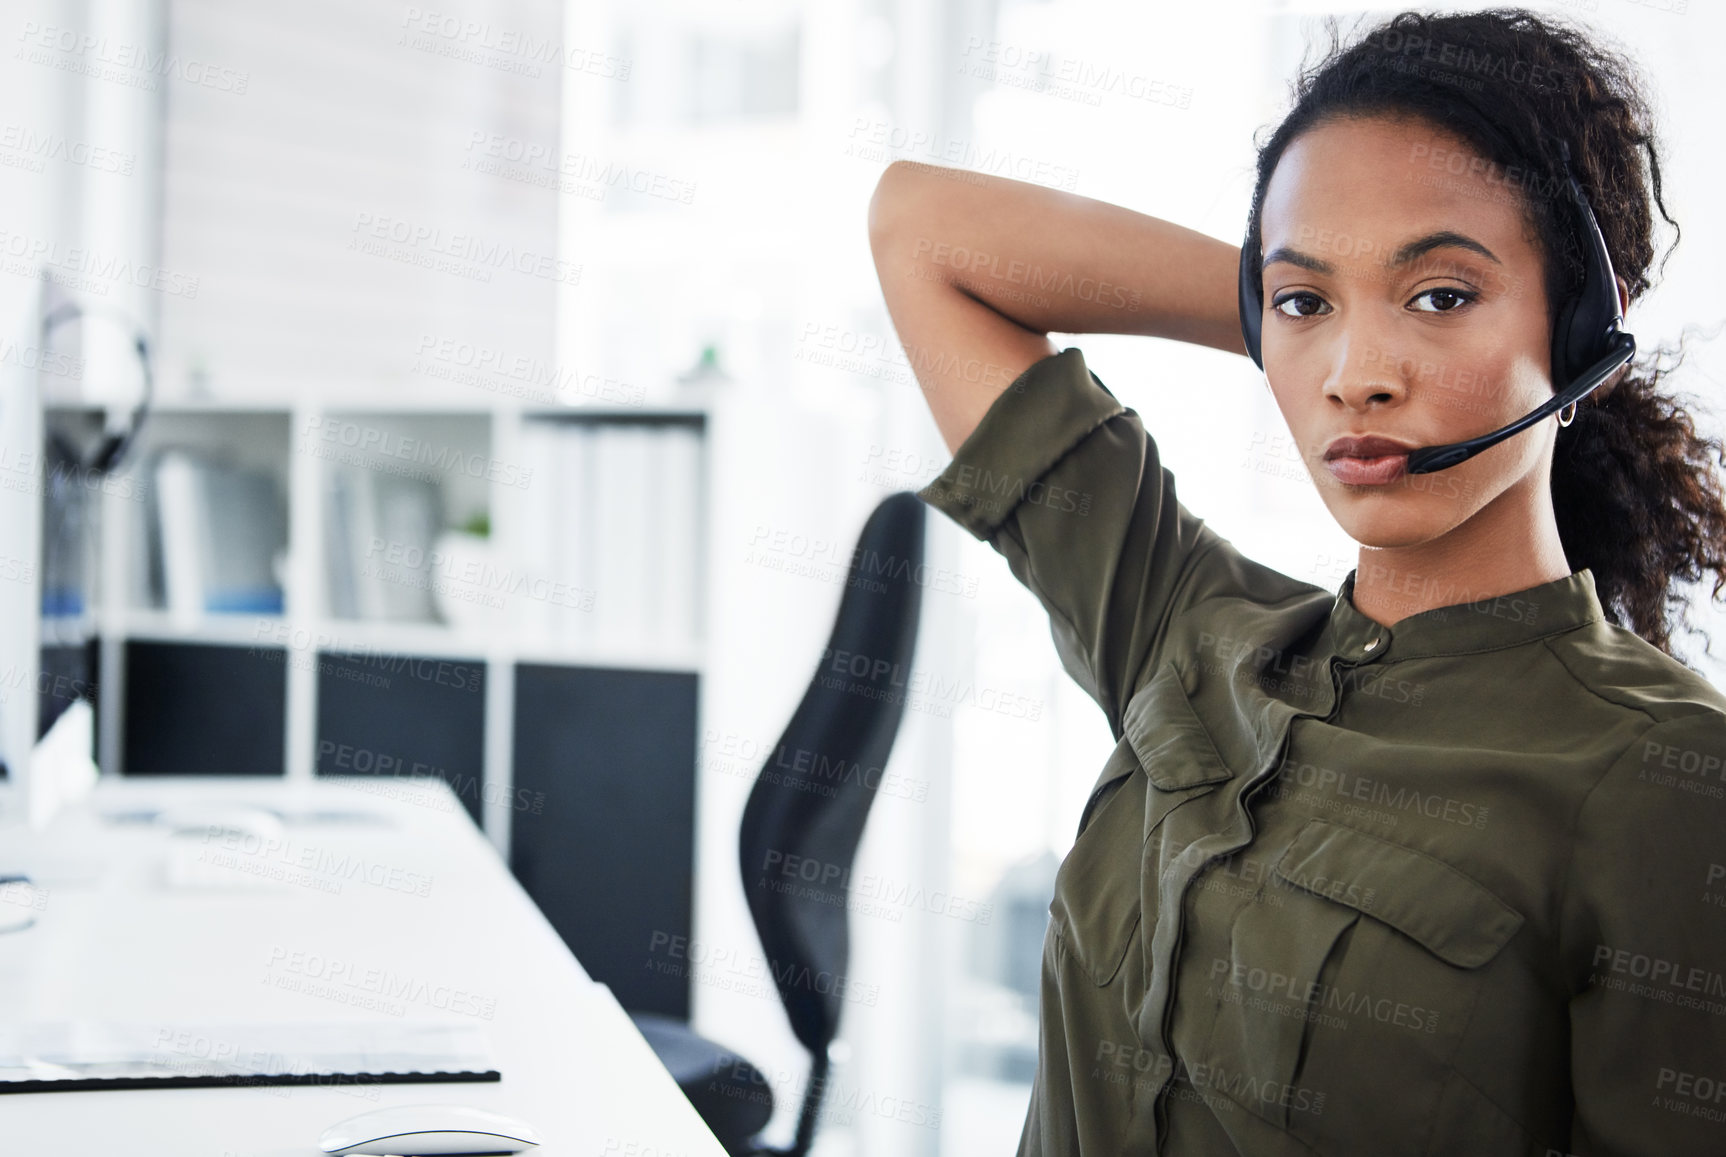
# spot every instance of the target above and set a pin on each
(340, 562)
(573, 562)
(648, 531)
(216, 531)
(379, 533)
(681, 523)
(535, 617)
(178, 514)
(622, 530)
(617, 523)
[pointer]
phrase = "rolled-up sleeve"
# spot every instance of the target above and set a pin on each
(1067, 485)
(1644, 920)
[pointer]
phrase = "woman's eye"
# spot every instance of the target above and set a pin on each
(1310, 298)
(1445, 300)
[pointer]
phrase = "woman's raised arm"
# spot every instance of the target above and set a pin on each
(978, 270)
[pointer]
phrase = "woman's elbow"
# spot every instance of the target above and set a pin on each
(887, 205)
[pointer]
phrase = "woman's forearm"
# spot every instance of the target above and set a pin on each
(1054, 262)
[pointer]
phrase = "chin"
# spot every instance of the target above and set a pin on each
(1390, 525)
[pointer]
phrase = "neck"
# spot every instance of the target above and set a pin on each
(1508, 545)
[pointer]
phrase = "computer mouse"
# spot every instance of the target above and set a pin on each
(417, 1130)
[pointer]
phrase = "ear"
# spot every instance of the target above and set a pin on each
(1623, 295)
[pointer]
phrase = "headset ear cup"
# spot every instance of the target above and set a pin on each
(1563, 373)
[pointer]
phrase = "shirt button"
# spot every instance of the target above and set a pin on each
(1373, 642)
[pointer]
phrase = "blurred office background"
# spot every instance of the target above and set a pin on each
(576, 297)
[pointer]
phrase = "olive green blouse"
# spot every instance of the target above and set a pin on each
(1453, 886)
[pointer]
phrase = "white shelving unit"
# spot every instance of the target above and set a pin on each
(284, 443)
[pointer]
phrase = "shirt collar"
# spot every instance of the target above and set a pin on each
(1487, 624)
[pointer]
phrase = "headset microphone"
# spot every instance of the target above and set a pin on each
(1589, 344)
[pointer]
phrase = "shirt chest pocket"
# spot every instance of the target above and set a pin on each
(1172, 745)
(1351, 977)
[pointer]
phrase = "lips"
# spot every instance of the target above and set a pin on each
(1367, 447)
(1369, 460)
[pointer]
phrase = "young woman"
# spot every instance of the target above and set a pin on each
(1434, 864)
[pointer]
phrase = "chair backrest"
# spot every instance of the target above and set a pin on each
(805, 814)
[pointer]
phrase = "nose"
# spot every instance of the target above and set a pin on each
(1364, 373)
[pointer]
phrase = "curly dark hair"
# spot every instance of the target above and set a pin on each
(1634, 491)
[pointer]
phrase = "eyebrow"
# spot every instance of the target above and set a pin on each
(1417, 248)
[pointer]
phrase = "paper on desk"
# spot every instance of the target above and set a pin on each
(95, 1050)
(61, 770)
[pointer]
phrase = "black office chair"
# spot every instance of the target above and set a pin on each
(811, 800)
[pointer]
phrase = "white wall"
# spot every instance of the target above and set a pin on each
(328, 196)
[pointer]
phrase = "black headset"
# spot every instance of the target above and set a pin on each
(111, 451)
(1589, 344)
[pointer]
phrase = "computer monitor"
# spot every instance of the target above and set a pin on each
(21, 494)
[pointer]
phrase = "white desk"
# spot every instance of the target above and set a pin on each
(126, 945)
